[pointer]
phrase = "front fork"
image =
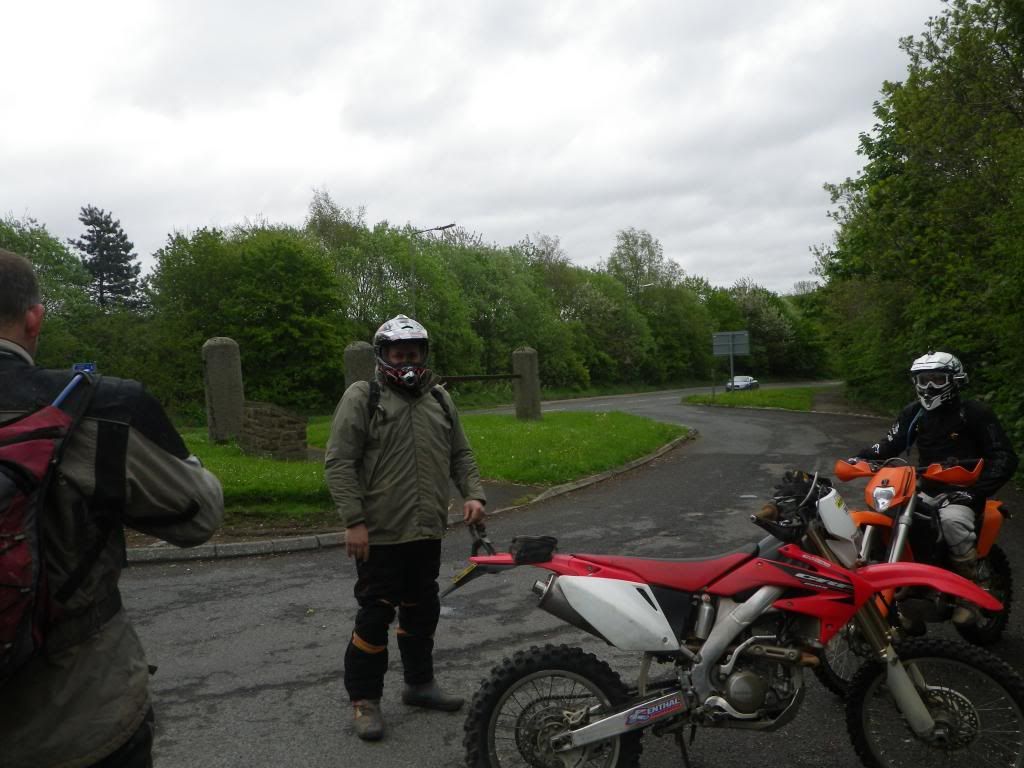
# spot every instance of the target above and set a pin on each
(875, 631)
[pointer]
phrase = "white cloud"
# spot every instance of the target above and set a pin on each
(711, 125)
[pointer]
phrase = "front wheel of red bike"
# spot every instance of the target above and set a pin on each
(975, 699)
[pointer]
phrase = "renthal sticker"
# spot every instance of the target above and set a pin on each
(646, 714)
(821, 582)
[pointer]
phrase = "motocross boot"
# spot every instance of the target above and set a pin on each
(966, 613)
(430, 696)
(367, 719)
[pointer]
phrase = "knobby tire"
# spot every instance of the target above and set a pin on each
(550, 658)
(1003, 725)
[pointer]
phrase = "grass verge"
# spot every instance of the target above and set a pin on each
(562, 446)
(559, 448)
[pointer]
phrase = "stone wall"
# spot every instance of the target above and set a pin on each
(270, 430)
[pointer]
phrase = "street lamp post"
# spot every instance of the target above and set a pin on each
(412, 257)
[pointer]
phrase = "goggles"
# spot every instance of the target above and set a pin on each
(933, 379)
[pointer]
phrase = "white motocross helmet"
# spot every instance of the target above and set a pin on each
(402, 328)
(937, 377)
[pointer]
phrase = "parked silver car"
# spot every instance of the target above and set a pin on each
(741, 382)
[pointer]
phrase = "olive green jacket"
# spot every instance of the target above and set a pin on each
(124, 465)
(392, 472)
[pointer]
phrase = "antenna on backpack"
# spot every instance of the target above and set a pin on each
(68, 389)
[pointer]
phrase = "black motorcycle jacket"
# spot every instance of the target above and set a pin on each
(959, 429)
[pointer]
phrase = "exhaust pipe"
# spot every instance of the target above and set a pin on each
(554, 601)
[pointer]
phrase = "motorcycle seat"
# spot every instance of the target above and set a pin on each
(687, 574)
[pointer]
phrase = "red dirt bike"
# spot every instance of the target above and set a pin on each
(902, 525)
(736, 633)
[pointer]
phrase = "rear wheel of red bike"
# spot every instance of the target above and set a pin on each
(531, 698)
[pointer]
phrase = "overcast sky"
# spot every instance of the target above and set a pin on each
(711, 124)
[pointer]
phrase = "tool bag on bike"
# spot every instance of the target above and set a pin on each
(533, 549)
(31, 447)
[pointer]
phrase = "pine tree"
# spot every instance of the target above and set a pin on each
(106, 252)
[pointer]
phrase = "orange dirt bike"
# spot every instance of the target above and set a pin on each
(902, 525)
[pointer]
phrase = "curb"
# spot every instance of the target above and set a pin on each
(163, 552)
(776, 408)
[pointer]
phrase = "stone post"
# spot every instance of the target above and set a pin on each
(222, 378)
(359, 362)
(527, 386)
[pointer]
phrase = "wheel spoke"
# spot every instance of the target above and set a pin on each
(979, 723)
(533, 711)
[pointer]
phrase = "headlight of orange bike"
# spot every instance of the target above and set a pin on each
(882, 497)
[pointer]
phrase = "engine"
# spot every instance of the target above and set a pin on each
(760, 684)
(758, 680)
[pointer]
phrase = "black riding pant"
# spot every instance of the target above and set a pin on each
(398, 578)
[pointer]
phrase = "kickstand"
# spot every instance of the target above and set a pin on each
(682, 745)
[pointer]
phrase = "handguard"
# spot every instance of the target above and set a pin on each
(788, 526)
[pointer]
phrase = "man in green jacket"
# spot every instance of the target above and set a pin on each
(394, 444)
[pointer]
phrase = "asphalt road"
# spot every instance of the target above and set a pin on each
(250, 650)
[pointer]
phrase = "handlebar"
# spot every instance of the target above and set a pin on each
(952, 471)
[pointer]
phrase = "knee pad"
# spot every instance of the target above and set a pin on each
(373, 620)
(958, 528)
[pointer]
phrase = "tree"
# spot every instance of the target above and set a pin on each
(335, 227)
(638, 260)
(681, 329)
(273, 291)
(928, 248)
(107, 253)
(62, 282)
(62, 279)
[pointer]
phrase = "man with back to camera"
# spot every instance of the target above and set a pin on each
(943, 426)
(83, 700)
(394, 444)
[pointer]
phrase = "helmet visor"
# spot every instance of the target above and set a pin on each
(933, 379)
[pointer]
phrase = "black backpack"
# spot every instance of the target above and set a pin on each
(31, 447)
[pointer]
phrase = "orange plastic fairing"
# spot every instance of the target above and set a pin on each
(990, 526)
(845, 471)
(954, 475)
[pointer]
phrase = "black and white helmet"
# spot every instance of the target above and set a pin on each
(937, 377)
(402, 328)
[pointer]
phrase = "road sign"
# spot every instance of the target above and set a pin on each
(729, 343)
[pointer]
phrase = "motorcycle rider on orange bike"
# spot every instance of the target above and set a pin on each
(943, 426)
